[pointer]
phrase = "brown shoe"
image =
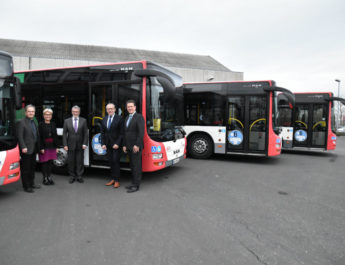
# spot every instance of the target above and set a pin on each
(110, 183)
(117, 184)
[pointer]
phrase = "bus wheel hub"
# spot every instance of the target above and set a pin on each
(200, 146)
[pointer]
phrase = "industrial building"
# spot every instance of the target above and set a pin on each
(30, 55)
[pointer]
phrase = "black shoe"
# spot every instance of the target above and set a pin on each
(133, 189)
(71, 180)
(80, 180)
(36, 186)
(130, 186)
(45, 181)
(29, 190)
(50, 180)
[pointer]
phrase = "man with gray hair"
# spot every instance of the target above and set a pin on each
(28, 139)
(75, 140)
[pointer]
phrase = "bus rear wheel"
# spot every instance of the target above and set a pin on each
(200, 146)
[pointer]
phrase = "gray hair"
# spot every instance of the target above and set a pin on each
(110, 103)
(48, 110)
(29, 106)
(76, 107)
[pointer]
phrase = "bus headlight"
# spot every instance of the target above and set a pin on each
(157, 156)
(14, 165)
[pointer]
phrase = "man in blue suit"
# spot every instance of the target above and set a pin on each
(111, 139)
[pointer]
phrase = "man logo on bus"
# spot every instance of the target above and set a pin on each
(235, 137)
(301, 135)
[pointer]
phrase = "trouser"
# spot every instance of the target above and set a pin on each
(75, 163)
(27, 168)
(114, 161)
(46, 168)
(135, 164)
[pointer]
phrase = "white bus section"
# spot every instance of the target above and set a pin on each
(286, 134)
(2, 159)
(174, 151)
(216, 133)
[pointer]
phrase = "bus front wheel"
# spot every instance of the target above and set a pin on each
(60, 163)
(200, 146)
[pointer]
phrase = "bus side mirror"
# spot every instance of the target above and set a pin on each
(18, 93)
(169, 89)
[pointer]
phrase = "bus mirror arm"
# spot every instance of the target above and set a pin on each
(290, 96)
(18, 93)
(153, 73)
(342, 100)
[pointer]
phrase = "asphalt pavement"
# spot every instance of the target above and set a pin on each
(226, 210)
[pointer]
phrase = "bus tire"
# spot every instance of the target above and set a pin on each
(200, 146)
(60, 163)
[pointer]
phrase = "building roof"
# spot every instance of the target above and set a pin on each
(38, 49)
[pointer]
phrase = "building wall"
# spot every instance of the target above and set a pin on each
(188, 75)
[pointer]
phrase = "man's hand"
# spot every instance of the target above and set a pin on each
(135, 149)
(124, 149)
(66, 148)
(115, 146)
(84, 147)
(24, 150)
(42, 151)
(104, 147)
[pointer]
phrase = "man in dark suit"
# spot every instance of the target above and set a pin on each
(111, 140)
(28, 138)
(134, 127)
(75, 140)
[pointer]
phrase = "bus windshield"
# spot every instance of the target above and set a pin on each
(164, 112)
(7, 132)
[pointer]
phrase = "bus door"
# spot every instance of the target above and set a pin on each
(247, 126)
(310, 125)
(101, 94)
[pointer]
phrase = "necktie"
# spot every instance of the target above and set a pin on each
(129, 120)
(75, 124)
(33, 127)
(109, 121)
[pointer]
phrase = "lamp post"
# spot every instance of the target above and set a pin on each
(339, 117)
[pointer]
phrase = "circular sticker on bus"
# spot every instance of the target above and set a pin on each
(235, 137)
(96, 145)
(300, 135)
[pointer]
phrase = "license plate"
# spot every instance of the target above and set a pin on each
(176, 160)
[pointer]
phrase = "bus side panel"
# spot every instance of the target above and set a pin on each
(217, 134)
(274, 141)
(10, 176)
(331, 137)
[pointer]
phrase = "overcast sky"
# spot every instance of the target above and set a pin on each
(298, 43)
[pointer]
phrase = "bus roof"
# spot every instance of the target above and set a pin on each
(271, 82)
(84, 66)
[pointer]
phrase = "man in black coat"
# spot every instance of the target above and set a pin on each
(28, 138)
(111, 140)
(75, 141)
(133, 144)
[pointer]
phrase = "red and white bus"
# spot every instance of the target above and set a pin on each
(156, 90)
(232, 118)
(9, 98)
(310, 125)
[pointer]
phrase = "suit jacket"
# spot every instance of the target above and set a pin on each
(134, 133)
(75, 140)
(26, 137)
(114, 134)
